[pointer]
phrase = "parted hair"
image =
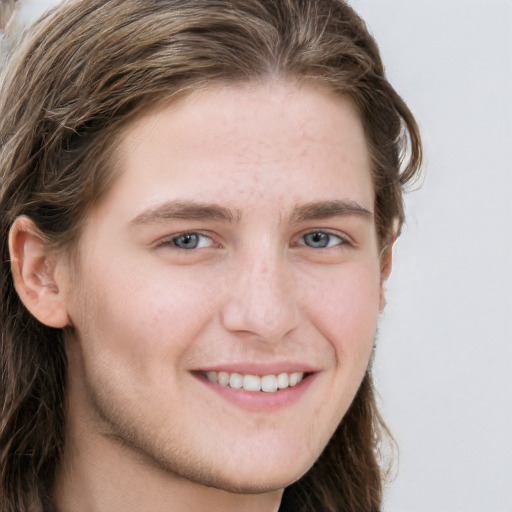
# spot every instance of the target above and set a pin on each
(84, 71)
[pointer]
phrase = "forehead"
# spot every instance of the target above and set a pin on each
(274, 141)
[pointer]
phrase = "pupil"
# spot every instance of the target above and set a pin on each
(317, 239)
(186, 241)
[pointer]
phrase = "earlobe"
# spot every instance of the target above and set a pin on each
(34, 274)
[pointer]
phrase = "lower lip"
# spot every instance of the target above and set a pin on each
(260, 401)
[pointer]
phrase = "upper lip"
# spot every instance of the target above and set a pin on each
(253, 368)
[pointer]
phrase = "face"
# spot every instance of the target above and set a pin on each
(229, 285)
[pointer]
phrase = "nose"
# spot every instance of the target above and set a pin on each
(262, 298)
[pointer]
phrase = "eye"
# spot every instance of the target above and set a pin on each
(190, 241)
(322, 240)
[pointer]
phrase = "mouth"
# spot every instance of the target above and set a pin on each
(271, 383)
(260, 390)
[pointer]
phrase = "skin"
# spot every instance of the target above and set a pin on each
(145, 430)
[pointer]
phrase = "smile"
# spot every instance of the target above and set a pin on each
(265, 383)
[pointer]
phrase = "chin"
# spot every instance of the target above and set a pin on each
(251, 483)
(261, 476)
(240, 474)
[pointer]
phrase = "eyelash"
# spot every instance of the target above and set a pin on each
(171, 241)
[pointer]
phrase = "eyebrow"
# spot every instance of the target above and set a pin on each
(186, 210)
(325, 209)
(189, 210)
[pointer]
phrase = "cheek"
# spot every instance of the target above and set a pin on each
(345, 310)
(344, 307)
(145, 319)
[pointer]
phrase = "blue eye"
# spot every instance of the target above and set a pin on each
(321, 240)
(192, 241)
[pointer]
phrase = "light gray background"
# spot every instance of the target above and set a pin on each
(444, 354)
(444, 358)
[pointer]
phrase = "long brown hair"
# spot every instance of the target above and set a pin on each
(82, 73)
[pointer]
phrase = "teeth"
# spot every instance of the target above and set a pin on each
(212, 376)
(236, 381)
(283, 381)
(252, 383)
(295, 378)
(266, 383)
(222, 378)
(269, 383)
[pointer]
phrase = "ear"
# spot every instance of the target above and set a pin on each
(386, 264)
(34, 273)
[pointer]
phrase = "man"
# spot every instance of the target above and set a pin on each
(199, 201)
